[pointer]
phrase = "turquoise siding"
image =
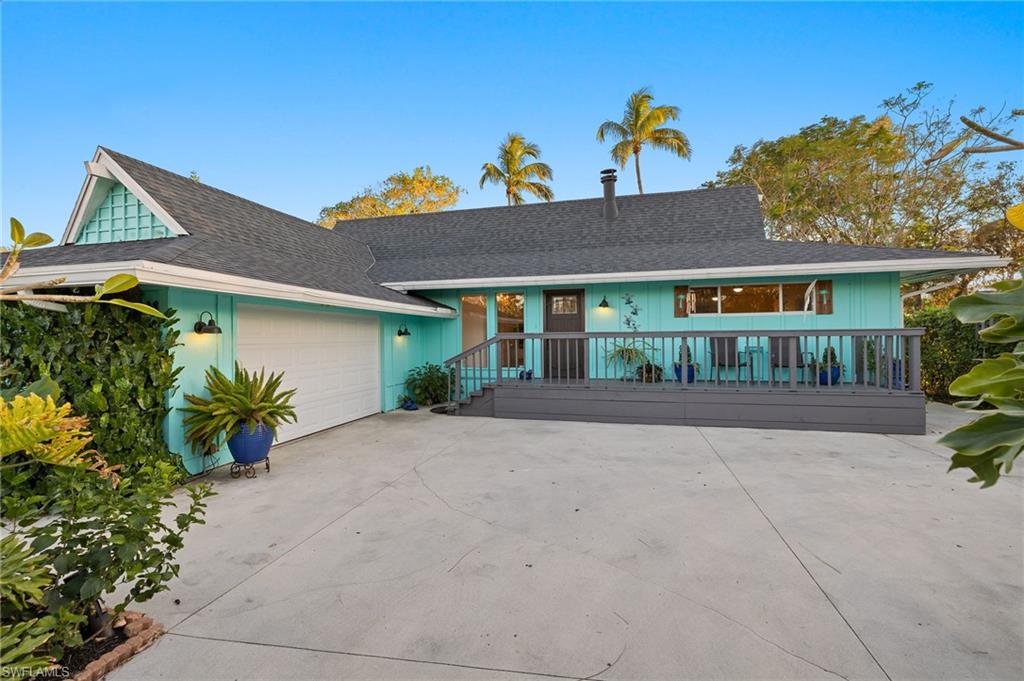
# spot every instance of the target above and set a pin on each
(196, 352)
(121, 217)
(859, 301)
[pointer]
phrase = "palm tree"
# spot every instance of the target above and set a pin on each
(639, 126)
(517, 175)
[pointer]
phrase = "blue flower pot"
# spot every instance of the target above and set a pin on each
(691, 373)
(249, 446)
(526, 375)
(823, 376)
(409, 405)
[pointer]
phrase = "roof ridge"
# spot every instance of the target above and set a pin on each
(595, 199)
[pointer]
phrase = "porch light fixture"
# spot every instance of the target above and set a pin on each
(604, 302)
(737, 289)
(403, 330)
(208, 326)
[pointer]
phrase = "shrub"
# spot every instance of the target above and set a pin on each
(93, 532)
(949, 348)
(249, 399)
(114, 365)
(428, 384)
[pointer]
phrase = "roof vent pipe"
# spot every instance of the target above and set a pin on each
(611, 209)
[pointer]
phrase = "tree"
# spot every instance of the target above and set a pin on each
(515, 172)
(400, 194)
(641, 125)
(869, 181)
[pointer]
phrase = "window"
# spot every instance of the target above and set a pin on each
(510, 320)
(793, 297)
(746, 298)
(563, 304)
(474, 326)
(705, 299)
(749, 298)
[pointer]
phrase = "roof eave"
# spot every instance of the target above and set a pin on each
(162, 274)
(906, 267)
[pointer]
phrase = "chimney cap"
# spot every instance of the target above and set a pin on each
(608, 175)
(608, 171)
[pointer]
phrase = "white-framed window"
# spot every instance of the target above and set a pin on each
(564, 304)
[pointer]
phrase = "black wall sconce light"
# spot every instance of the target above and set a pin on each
(604, 302)
(403, 330)
(208, 326)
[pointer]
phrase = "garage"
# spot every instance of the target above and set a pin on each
(333, 360)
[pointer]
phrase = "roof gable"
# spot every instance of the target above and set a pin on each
(121, 217)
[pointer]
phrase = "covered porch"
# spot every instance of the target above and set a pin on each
(862, 380)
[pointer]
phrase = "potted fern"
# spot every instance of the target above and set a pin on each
(245, 411)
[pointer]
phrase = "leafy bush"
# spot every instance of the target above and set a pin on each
(428, 384)
(114, 365)
(92, 533)
(249, 398)
(949, 348)
(990, 445)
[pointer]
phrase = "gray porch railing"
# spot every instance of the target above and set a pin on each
(859, 360)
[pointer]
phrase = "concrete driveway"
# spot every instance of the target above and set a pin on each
(411, 545)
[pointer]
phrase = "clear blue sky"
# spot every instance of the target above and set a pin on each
(300, 105)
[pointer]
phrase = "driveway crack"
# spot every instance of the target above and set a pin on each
(785, 542)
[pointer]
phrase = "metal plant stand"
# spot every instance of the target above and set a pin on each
(248, 468)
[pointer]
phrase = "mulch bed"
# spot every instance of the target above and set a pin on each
(76, 659)
(133, 633)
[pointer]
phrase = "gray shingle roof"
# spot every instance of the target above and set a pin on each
(232, 235)
(698, 229)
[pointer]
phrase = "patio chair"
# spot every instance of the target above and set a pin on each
(779, 356)
(725, 356)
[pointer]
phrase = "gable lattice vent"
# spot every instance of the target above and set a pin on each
(121, 217)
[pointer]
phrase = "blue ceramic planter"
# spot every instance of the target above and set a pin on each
(691, 373)
(823, 376)
(249, 446)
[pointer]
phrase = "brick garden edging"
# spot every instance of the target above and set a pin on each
(141, 631)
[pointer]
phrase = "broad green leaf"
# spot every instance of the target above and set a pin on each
(138, 307)
(37, 239)
(91, 588)
(1008, 299)
(117, 284)
(990, 431)
(1006, 330)
(17, 231)
(1001, 376)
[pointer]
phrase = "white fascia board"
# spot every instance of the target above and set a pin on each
(161, 274)
(102, 172)
(959, 264)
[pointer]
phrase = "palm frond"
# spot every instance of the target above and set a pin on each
(613, 130)
(671, 140)
(540, 190)
(491, 173)
(622, 151)
(542, 171)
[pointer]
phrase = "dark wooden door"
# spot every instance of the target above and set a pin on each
(564, 312)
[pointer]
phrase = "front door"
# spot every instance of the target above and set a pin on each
(564, 358)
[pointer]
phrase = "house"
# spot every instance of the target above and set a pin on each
(527, 304)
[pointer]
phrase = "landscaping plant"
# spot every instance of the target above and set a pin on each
(990, 445)
(428, 384)
(249, 399)
(949, 348)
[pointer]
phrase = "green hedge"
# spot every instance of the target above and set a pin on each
(114, 365)
(949, 348)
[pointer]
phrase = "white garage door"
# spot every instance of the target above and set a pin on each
(332, 360)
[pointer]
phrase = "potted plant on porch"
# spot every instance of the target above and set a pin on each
(829, 369)
(245, 411)
(692, 368)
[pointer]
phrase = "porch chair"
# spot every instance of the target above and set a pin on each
(779, 356)
(725, 356)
